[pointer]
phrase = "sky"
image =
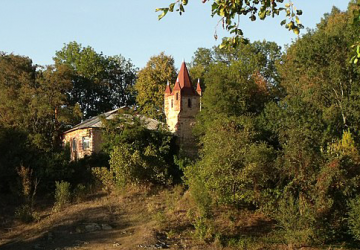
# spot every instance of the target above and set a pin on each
(39, 28)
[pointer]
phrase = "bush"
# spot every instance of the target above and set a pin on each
(105, 177)
(139, 155)
(204, 228)
(79, 193)
(354, 217)
(62, 195)
(296, 220)
(24, 214)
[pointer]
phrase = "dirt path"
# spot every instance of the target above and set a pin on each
(105, 222)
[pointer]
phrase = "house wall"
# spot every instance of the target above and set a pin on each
(77, 151)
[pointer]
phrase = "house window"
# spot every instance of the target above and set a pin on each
(177, 96)
(85, 143)
(189, 103)
(73, 144)
(172, 103)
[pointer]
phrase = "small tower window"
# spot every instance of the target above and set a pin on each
(177, 96)
(172, 103)
(189, 103)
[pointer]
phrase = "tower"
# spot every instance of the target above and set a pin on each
(182, 103)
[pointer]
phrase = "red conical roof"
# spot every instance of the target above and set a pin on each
(184, 81)
(184, 77)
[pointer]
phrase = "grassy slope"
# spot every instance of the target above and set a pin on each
(139, 218)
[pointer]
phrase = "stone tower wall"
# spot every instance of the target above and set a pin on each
(181, 119)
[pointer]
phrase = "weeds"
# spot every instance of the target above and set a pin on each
(62, 195)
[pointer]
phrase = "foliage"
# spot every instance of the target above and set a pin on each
(33, 100)
(354, 219)
(37, 104)
(356, 46)
(151, 83)
(62, 195)
(99, 83)
(79, 192)
(105, 177)
(231, 11)
(296, 220)
(25, 214)
(137, 154)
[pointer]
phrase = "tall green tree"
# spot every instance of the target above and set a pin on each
(317, 68)
(151, 83)
(235, 166)
(316, 127)
(99, 83)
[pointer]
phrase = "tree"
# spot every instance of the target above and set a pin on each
(200, 64)
(138, 155)
(151, 83)
(239, 81)
(17, 87)
(235, 166)
(99, 83)
(316, 68)
(356, 54)
(230, 12)
(316, 129)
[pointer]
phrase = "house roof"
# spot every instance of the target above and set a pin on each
(95, 122)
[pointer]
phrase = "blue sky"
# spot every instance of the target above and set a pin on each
(38, 28)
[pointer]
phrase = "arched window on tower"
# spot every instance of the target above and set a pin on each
(177, 96)
(189, 103)
(172, 103)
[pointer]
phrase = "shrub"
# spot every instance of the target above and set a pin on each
(79, 193)
(105, 177)
(204, 228)
(138, 155)
(296, 220)
(354, 217)
(24, 214)
(62, 195)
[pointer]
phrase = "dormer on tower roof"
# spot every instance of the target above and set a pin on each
(177, 85)
(168, 89)
(198, 87)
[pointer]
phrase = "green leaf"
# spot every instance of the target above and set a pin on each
(182, 8)
(299, 12)
(222, 12)
(165, 10)
(171, 7)
(283, 22)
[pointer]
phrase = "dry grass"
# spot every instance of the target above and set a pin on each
(139, 217)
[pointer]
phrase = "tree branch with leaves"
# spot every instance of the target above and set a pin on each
(230, 12)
